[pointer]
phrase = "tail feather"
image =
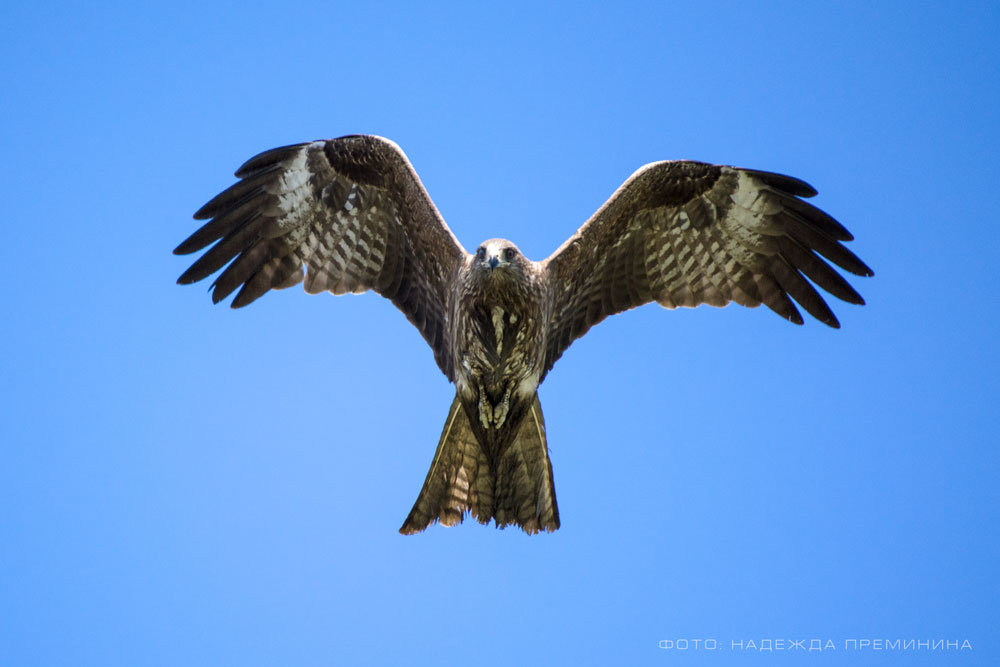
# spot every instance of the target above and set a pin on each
(458, 481)
(525, 491)
(520, 490)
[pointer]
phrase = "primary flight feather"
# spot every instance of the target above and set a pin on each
(350, 215)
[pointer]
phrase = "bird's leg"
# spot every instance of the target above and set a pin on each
(501, 409)
(485, 409)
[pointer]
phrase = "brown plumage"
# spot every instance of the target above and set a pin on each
(350, 214)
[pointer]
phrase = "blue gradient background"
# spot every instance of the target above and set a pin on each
(182, 484)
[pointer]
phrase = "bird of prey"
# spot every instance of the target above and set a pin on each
(350, 215)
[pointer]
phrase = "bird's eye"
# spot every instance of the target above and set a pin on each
(509, 254)
(481, 253)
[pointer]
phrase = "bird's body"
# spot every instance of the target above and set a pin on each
(497, 326)
(354, 213)
(499, 319)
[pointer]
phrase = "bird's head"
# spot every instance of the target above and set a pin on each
(498, 258)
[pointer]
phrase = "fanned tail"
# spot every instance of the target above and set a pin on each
(518, 490)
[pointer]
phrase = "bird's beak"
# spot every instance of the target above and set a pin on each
(493, 261)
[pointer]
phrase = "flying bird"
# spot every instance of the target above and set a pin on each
(351, 215)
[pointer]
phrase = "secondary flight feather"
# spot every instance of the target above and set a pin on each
(351, 215)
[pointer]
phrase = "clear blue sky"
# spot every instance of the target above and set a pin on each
(183, 484)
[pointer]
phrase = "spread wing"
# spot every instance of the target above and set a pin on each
(686, 233)
(344, 215)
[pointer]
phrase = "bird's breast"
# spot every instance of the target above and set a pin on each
(498, 361)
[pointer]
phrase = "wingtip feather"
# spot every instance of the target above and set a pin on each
(789, 184)
(267, 159)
